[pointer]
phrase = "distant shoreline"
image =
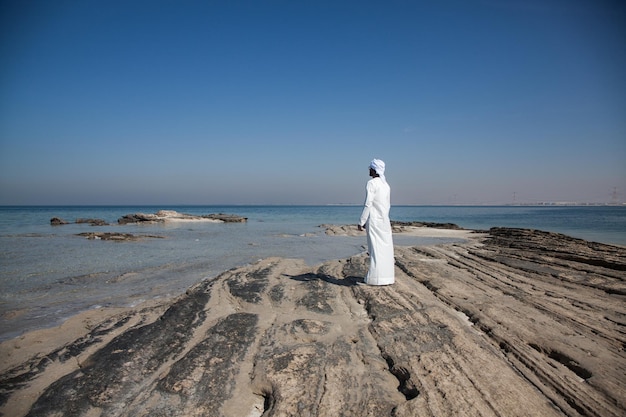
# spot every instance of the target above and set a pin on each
(545, 204)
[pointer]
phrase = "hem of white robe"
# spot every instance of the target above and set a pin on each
(385, 282)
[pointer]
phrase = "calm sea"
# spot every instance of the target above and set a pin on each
(48, 273)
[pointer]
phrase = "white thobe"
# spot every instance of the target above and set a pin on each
(375, 218)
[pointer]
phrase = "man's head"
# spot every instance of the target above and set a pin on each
(377, 168)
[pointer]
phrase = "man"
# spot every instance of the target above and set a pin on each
(375, 220)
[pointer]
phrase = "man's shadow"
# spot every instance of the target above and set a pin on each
(349, 281)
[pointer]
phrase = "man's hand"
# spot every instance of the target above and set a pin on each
(361, 228)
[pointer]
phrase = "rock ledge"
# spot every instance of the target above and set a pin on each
(171, 216)
(515, 323)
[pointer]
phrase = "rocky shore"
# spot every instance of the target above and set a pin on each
(509, 323)
(161, 216)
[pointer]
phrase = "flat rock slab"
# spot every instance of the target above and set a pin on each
(118, 237)
(163, 216)
(502, 325)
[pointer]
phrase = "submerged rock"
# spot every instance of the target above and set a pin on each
(119, 237)
(226, 218)
(56, 221)
(93, 222)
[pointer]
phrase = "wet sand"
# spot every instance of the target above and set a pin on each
(508, 323)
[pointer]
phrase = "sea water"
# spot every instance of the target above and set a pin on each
(48, 273)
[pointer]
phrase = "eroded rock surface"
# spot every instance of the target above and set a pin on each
(57, 221)
(93, 222)
(398, 225)
(517, 323)
(162, 216)
(118, 237)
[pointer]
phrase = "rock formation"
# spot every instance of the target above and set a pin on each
(399, 225)
(171, 215)
(93, 222)
(57, 221)
(160, 216)
(513, 323)
(119, 237)
(226, 218)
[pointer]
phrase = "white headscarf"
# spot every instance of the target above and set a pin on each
(379, 166)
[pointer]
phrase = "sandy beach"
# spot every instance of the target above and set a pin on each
(507, 323)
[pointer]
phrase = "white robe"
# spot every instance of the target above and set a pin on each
(375, 218)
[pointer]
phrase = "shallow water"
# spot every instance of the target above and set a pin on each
(47, 273)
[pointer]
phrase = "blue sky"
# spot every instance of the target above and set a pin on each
(286, 102)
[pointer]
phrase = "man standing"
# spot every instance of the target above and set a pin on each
(375, 220)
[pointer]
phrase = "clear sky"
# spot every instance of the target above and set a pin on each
(286, 102)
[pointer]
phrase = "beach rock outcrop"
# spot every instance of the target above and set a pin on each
(397, 227)
(118, 237)
(93, 222)
(398, 224)
(160, 216)
(139, 218)
(506, 324)
(226, 218)
(57, 221)
(171, 215)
